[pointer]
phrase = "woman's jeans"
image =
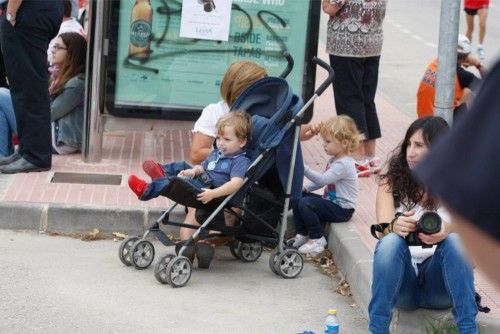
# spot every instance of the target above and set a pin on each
(444, 280)
(7, 123)
(311, 209)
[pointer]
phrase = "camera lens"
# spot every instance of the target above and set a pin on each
(430, 223)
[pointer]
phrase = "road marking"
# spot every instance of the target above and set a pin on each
(414, 36)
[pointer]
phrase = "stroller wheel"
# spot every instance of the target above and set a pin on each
(234, 247)
(273, 260)
(124, 250)
(142, 254)
(161, 268)
(178, 271)
(290, 263)
(250, 252)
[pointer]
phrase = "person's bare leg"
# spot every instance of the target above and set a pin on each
(359, 154)
(230, 218)
(185, 232)
(470, 26)
(369, 147)
(483, 15)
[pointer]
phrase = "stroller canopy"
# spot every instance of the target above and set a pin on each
(273, 105)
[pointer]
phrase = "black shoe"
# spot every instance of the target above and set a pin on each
(204, 254)
(9, 159)
(21, 165)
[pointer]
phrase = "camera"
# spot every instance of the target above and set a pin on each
(429, 223)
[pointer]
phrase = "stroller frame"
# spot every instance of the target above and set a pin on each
(176, 269)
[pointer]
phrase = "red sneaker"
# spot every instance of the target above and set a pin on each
(153, 169)
(363, 169)
(137, 185)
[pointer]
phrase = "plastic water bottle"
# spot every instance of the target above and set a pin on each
(332, 322)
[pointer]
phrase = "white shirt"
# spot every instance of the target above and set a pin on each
(418, 253)
(209, 117)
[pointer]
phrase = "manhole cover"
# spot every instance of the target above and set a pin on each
(83, 178)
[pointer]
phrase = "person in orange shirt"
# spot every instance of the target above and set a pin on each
(465, 81)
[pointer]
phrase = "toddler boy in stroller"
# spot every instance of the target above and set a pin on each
(219, 175)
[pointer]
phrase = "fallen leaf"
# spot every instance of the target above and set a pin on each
(92, 235)
(119, 235)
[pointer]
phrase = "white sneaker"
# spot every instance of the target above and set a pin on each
(313, 246)
(299, 240)
(480, 52)
(375, 165)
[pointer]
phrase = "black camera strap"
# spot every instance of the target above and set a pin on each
(382, 227)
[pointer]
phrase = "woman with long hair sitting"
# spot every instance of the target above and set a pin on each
(67, 92)
(413, 269)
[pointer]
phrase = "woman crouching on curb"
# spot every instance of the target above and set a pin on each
(436, 276)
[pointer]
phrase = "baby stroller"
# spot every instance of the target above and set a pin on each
(273, 180)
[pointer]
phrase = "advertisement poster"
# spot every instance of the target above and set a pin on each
(157, 68)
(204, 20)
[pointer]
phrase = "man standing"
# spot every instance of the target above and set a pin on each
(26, 28)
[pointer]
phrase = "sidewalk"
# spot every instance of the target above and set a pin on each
(34, 201)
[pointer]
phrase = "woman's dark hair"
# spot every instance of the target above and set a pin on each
(405, 189)
(76, 48)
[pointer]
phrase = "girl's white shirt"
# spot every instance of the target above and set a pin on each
(418, 253)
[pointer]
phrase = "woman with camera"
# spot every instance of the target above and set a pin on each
(412, 269)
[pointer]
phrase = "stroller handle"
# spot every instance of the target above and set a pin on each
(289, 65)
(329, 80)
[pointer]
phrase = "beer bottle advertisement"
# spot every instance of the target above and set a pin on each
(141, 21)
(157, 68)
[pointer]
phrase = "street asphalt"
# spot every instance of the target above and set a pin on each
(64, 285)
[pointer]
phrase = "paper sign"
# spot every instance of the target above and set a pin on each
(206, 19)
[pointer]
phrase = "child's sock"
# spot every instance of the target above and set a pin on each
(137, 185)
(153, 169)
(361, 162)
